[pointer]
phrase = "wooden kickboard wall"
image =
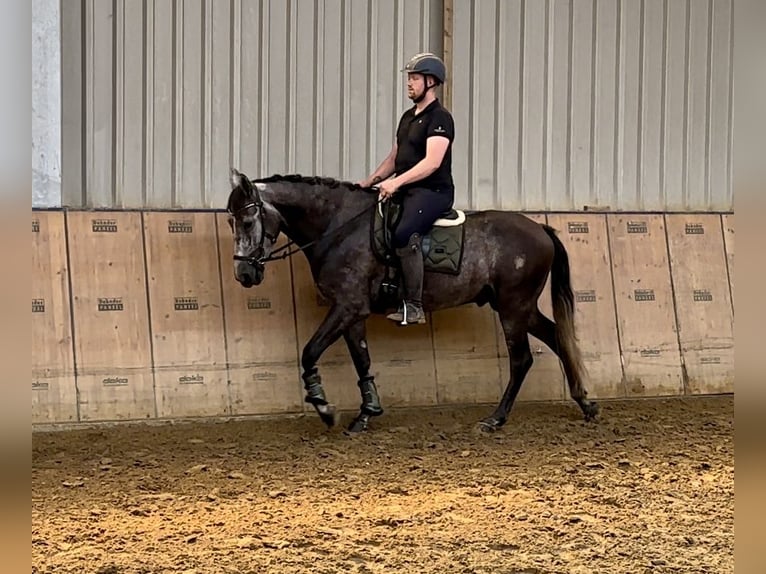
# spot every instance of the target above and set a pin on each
(702, 301)
(727, 223)
(54, 392)
(645, 312)
(188, 345)
(110, 307)
(138, 315)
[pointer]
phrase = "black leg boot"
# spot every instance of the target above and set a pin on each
(411, 257)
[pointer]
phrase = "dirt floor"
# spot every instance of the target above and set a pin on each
(649, 488)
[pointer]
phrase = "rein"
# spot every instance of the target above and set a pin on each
(253, 260)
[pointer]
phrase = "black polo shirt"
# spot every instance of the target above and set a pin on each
(411, 136)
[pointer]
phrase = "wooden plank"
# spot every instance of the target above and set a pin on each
(54, 391)
(402, 363)
(116, 393)
(448, 10)
(189, 351)
(585, 239)
(645, 312)
(545, 380)
(260, 336)
(703, 301)
(728, 239)
(466, 354)
(402, 358)
(111, 316)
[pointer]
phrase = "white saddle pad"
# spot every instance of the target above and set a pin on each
(439, 222)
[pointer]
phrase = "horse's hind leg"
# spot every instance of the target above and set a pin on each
(355, 337)
(515, 330)
(545, 330)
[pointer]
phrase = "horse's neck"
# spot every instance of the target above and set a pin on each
(308, 210)
(312, 211)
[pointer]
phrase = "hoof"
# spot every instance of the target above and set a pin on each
(490, 424)
(360, 424)
(590, 410)
(328, 414)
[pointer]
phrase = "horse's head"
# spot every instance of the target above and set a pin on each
(255, 224)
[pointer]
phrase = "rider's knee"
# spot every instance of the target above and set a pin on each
(401, 237)
(410, 239)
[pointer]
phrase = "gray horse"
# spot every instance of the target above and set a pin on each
(505, 260)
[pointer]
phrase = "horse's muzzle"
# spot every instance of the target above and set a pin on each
(248, 274)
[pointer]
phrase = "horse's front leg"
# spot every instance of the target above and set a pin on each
(356, 340)
(335, 323)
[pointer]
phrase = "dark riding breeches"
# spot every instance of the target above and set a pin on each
(420, 208)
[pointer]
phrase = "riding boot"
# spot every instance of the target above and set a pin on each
(411, 258)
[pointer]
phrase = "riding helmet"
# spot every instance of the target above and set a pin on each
(427, 64)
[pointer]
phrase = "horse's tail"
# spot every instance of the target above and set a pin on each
(563, 312)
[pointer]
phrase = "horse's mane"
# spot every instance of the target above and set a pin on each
(312, 180)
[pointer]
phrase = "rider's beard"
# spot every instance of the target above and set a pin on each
(414, 95)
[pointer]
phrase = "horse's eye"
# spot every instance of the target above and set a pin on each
(247, 226)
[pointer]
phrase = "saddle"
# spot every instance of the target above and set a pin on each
(442, 246)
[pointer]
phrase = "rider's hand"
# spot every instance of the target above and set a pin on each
(368, 182)
(386, 189)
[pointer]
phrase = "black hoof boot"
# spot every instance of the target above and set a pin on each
(312, 382)
(491, 424)
(370, 400)
(360, 424)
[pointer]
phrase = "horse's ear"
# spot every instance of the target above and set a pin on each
(236, 178)
(241, 180)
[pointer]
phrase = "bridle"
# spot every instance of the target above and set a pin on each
(256, 258)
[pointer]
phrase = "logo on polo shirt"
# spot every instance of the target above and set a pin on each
(439, 130)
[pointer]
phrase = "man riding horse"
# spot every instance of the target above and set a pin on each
(421, 158)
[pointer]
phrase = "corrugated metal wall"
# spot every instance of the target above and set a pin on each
(46, 104)
(619, 104)
(559, 104)
(166, 96)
